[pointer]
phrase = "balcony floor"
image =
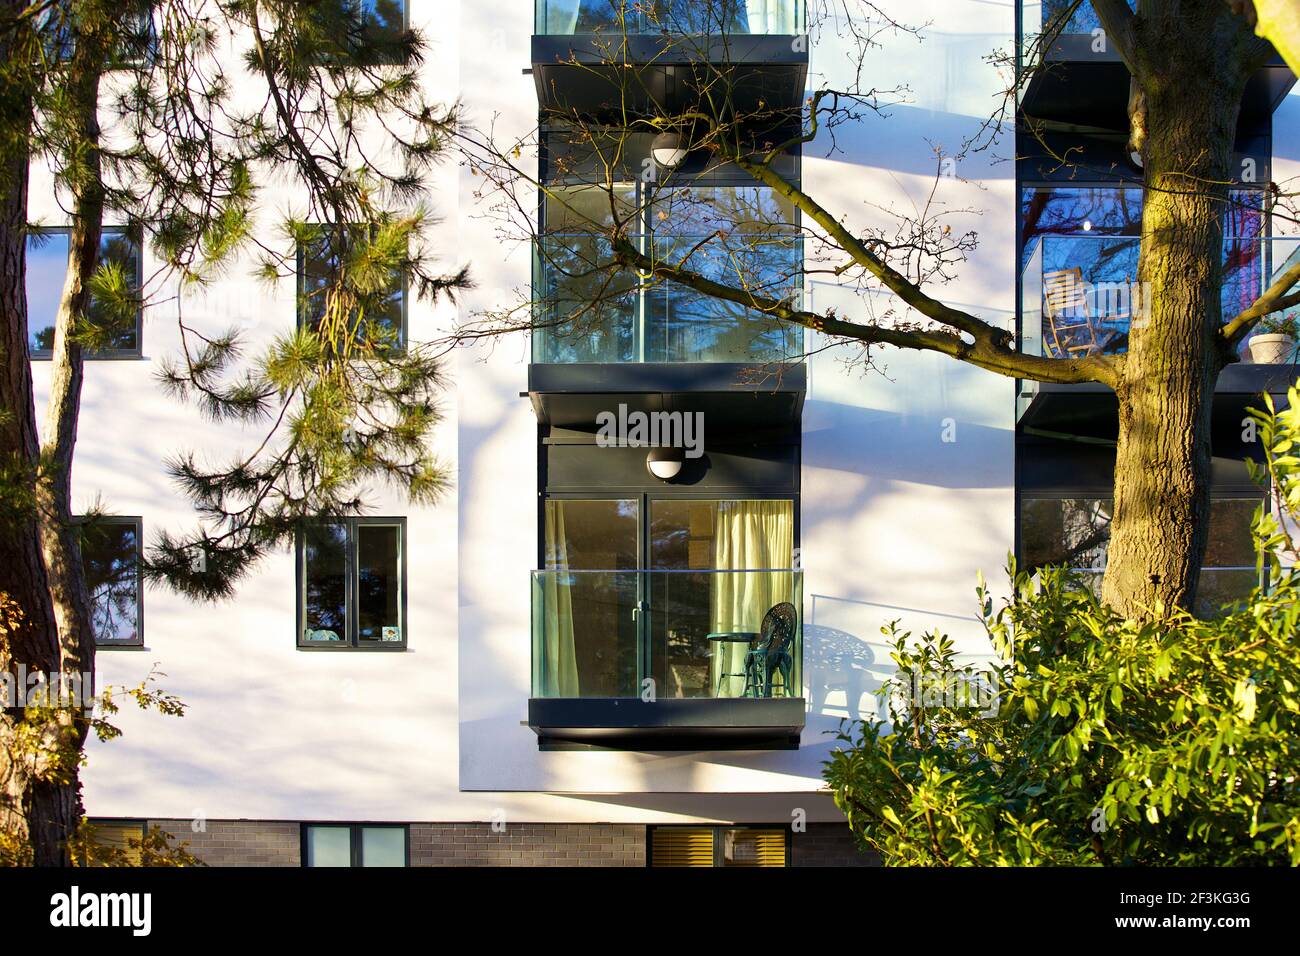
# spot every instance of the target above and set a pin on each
(617, 723)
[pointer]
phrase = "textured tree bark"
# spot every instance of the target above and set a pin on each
(1166, 382)
(60, 798)
(28, 635)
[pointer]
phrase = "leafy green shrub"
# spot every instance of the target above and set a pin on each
(1168, 741)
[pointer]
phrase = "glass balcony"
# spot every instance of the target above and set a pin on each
(1039, 17)
(587, 311)
(1080, 295)
(667, 635)
(751, 17)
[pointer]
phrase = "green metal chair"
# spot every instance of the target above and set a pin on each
(772, 653)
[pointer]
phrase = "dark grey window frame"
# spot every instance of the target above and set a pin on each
(351, 641)
(113, 355)
(299, 294)
(136, 522)
(355, 843)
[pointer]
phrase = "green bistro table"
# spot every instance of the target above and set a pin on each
(721, 638)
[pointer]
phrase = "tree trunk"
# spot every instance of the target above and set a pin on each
(28, 634)
(1167, 379)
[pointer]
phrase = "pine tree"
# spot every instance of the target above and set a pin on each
(147, 121)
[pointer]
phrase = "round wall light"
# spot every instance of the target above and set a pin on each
(665, 463)
(668, 149)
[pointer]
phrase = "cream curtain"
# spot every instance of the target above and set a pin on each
(747, 535)
(559, 665)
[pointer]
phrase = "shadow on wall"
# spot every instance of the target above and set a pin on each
(936, 448)
(904, 139)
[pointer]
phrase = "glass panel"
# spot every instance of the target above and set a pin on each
(1220, 587)
(1075, 532)
(324, 558)
(585, 623)
(585, 634)
(47, 264)
(110, 555)
(318, 265)
(1079, 285)
(383, 846)
(591, 534)
(682, 325)
(1068, 531)
(747, 847)
(585, 311)
(379, 583)
(706, 628)
(678, 16)
(329, 846)
(1231, 544)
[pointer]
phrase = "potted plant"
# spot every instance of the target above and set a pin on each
(1274, 340)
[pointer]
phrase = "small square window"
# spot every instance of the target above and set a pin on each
(382, 318)
(110, 559)
(47, 267)
(354, 844)
(352, 584)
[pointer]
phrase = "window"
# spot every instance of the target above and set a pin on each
(1075, 532)
(366, 32)
(745, 236)
(110, 558)
(47, 265)
(1079, 265)
(719, 846)
(354, 844)
(352, 578)
(124, 835)
(661, 589)
(381, 318)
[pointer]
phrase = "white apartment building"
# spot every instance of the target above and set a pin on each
(465, 682)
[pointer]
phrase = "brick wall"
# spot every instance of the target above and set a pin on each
(828, 844)
(239, 842)
(528, 844)
(279, 843)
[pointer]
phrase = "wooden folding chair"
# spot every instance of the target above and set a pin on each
(1065, 304)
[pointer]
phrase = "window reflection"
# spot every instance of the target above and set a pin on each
(47, 265)
(110, 556)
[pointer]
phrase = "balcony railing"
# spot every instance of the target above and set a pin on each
(747, 17)
(585, 310)
(666, 634)
(1080, 295)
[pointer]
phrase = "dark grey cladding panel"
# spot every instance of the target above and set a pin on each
(764, 467)
(1058, 466)
(1102, 157)
(1087, 88)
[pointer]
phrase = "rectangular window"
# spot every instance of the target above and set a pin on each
(1075, 532)
(719, 846)
(376, 317)
(47, 267)
(1079, 265)
(365, 32)
(354, 844)
(352, 578)
(110, 558)
(124, 835)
